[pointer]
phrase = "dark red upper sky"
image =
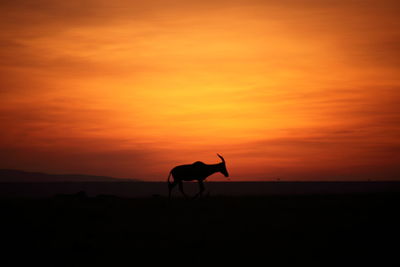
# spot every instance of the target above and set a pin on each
(289, 89)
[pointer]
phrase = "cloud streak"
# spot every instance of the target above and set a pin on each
(292, 89)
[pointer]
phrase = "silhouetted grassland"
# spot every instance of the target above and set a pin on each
(323, 230)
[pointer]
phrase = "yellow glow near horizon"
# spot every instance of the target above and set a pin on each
(298, 92)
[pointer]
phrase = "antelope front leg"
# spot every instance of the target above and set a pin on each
(201, 189)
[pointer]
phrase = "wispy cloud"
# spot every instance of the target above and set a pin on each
(294, 89)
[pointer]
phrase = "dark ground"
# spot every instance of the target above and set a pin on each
(319, 230)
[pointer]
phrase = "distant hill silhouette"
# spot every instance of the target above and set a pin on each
(7, 175)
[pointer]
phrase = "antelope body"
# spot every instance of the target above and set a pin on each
(197, 171)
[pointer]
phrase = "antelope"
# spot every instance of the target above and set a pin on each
(197, 171)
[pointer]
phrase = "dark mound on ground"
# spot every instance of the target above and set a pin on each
(12, 176)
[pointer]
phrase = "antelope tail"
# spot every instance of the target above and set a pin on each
(169, 177)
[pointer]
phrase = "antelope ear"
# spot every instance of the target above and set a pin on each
(221, 158)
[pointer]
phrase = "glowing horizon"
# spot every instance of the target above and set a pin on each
(296, 90)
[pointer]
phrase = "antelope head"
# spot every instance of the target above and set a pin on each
(223, 169)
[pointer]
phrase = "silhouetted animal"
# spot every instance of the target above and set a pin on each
(197, 171)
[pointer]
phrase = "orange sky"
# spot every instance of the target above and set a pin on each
(289, 89)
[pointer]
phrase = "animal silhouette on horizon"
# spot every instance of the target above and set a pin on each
(197, 171)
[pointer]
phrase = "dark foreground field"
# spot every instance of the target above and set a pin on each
(320, 230)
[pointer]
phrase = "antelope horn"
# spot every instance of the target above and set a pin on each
(221, 157)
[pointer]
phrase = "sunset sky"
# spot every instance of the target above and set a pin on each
(288, 89)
